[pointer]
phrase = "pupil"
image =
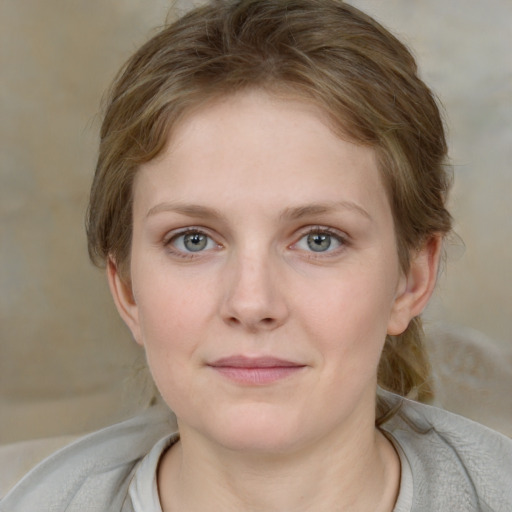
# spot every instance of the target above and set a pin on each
(195, 242)
(319, 242)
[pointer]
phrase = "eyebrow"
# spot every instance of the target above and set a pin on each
(190, 210)
(290, 213)
(297, 213)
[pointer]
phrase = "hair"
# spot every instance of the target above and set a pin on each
(324, 51)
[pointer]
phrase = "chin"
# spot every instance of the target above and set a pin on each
(255, 429)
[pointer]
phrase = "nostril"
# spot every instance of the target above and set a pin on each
(267, 321)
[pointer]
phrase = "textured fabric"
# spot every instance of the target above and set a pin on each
(405, 496)
(92, 474)
(455, 465)
(143, 488)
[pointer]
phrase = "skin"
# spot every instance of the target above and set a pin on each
(255, 175)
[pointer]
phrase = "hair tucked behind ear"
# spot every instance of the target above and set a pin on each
(404, 366)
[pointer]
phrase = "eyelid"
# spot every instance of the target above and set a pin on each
(177, 233)
(340, 236)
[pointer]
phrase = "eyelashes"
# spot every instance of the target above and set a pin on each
(320, 240)
(193, 241)
(190, 242)
(313, 241)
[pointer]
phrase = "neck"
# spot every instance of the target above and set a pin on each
(356, 470)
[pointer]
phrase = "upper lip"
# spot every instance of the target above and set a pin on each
(253, 362)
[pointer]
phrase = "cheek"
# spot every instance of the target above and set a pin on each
(168, 294)
(163, 306)
(168, 315)
(350, 315)
(170, 325)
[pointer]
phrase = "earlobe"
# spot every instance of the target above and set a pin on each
(124, 300)
(416, 286)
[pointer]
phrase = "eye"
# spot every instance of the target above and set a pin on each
(192, 241)
(320, 240)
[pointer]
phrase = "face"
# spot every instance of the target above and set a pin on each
(264, 275)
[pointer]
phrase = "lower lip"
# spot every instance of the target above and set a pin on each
(257, 376)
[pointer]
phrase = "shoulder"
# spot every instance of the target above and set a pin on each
(93, 473)
(453, 460)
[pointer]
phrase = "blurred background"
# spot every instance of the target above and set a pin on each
(67, 364)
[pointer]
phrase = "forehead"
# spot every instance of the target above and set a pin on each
(257, 144)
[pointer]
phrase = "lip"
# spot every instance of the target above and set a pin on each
(255, 370)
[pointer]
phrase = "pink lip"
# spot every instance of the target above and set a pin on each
(255, 370)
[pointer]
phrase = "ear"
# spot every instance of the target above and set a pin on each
(416, 286)
(122, 293)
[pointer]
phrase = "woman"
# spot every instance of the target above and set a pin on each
(269, 203)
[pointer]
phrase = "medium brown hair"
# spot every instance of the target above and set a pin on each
(324, 51)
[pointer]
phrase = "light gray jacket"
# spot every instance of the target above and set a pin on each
(456, 465)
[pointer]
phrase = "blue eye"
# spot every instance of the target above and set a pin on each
(192, 241)
(320, 241)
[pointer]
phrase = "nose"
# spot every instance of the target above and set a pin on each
(254, 297)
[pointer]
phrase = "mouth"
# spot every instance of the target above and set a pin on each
(255, 371)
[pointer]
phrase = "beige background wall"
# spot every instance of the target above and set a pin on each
(59, 335)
